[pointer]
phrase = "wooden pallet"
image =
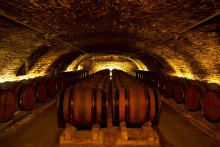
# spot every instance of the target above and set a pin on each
(147, 136)
(71, 136)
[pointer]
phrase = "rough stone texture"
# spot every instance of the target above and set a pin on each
(111, 27)
(108, 62)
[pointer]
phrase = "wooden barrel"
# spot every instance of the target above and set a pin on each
(119, 105)
(69, 78)
(179, 91)
(59, 82)
(8, 104)
(101, 107)
(82, 107)
(51, 87)
(25, 95)
(66, 104)
(74, 78)
(64, 80)
(169, 88)
(136, 105)
(144, 77)
(211, 105)
(40, 89)
(151, 79)
(136, 73)
(156, 81)
(103, 86)
(193, 96)
(147, 75)
(89, 84)
(162, 82)
(141, 76)
(60, 118)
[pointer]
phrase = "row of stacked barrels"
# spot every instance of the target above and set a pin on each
(86, 102)
(133, 101)
(196, 95)
(22, 95)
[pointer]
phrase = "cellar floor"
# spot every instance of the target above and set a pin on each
(173, 130)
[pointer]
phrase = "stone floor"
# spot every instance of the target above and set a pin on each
(174, 131)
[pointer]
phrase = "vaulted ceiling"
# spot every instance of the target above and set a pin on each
(156, 32)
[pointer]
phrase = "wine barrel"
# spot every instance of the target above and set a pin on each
(169, 88)
(193, 96)
(64, 80)
(156, 81)
(136, 105)
(66, 104)
(211, 105)
(89, 84)
(155, 106)
(144, 77)
(179, 91)
(82, 107)
(141, 76)
(40, 90)
(136, 74)
(25, 95)
(101, 107)
(147, 75)
(151, 79)
(8, 104)
(59, 82)
(162, 82)
(69, 79)
(119, 105)
(60, 118)
(51, 87)
(73, 78)
(103, 85)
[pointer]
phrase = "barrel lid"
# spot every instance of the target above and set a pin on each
(26, 97)
(211, 105)
(193, 95)
(8, 104)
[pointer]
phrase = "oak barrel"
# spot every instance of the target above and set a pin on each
(40, 90)
(136, 105)
(51, 87)
(193, 96)
(82, 107)
(8, 104)
(179, 91)
(151, 79)
(65, 80)
(162, 82)
(156, 81)
(60, 118)
(59, 82)
(211, 105)
(169, 88)
(25, 95)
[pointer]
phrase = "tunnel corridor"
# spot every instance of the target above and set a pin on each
(47, 46)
